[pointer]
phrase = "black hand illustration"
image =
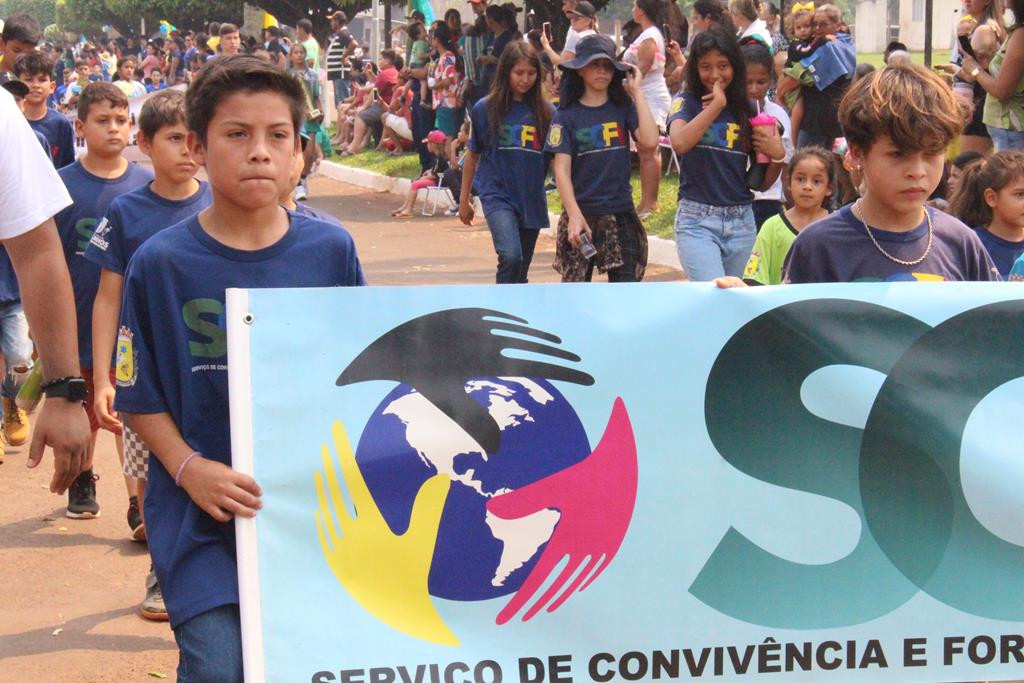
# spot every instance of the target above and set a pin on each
(439, 352)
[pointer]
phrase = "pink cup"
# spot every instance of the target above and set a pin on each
(766, 120)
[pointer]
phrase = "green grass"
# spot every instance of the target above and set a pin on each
(405, 166)
(876, 58)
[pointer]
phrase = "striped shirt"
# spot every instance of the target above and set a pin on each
(336, 68)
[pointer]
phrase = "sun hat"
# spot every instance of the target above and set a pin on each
(594, 47)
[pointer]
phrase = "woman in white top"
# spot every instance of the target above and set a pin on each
(582, 22)
(647, 52)
(746, 14)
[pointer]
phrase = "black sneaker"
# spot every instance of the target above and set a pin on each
(82, 497)
(135, 519)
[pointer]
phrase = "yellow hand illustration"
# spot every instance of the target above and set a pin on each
(385, 573)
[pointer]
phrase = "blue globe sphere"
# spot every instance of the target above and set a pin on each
(407, 440)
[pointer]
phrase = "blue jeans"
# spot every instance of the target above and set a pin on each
(341, 90)
(1003, 138)
(713, 241)
(514, 245)
(210, 647)
(15, 345)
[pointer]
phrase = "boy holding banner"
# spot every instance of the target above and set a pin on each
(244, 117)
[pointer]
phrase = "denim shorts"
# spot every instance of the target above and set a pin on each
(713, 241)
(14, 341)
(1003, 138)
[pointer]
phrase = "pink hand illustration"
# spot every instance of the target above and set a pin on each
(595, 498)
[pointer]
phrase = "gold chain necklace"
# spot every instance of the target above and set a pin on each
(931, 232)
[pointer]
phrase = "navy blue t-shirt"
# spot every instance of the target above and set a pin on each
(306, 210)
(837, 249)
(172, 357)
(714, 171)
(135, 217)
(60, 135)
(91, 197)
(597, 138)
(1003, 252)
(513, 165)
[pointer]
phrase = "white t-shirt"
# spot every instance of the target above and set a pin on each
(758, 29)
(572, 37)
(774, 192)
(655, 89)
(30, 189)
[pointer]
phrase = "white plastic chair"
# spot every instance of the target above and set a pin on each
(433, 196)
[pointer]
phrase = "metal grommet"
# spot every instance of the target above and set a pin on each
(247, 319)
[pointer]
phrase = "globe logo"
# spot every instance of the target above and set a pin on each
(478, 556)
(473, 478)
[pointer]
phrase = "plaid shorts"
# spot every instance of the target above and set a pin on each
(136, 455)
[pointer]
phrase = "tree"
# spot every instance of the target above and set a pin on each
(44, 11)
(88, 16)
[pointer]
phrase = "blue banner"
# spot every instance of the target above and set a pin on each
(650, 482)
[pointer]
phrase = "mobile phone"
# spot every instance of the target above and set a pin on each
(546, 27)
(374, 94)
(965, 45)
(586, 246)
(666, 32)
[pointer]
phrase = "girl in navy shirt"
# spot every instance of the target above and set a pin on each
(711, 131)
(589, 137)
(506, 163)
(990, 199)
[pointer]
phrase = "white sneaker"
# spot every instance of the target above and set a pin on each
(300, 191)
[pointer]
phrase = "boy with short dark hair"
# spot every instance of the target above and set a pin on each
(94, 181)
(244, 117)
(898, 123)
(20, 36)
(132, 218)
(36, 71)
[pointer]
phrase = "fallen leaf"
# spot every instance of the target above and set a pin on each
(62, 528)
(158, 674)
(57, 632)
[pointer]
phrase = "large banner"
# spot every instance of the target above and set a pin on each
(652, 482)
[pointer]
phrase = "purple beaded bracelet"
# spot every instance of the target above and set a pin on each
(181, 467)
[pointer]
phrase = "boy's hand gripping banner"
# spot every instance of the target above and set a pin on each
(655, 482)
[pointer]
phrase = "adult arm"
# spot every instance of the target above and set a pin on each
(645, 55)
(46, 295)
(1003, 86)
(217, 489)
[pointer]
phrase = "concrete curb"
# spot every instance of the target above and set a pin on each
(660, 251)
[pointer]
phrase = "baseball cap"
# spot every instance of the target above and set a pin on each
(436, 136)
(16, 88)
(594, 47)
(584, 9)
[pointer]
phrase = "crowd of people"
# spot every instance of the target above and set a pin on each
(795, 164)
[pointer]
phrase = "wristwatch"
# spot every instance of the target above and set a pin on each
(975, 71)
(71, 388)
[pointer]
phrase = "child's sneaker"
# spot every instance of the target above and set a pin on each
(82, 497)
(135, 519)
(152, 606)
(15, 423)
